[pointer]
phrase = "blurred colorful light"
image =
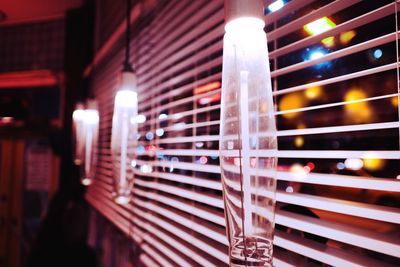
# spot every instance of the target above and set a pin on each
(203, 160)
(298, 171)
(316, 54)
(378, 53)
(346, 37)
(291, 101)
(372, 162)
(299, 141)
(206, 88)
(395, 101)
(340, 166)
(329, 41)
(162, 116)
(146, 168)
(357, 112)
(289, 189)
(275, 6)
(160, 132)
(319, 26)
(210, 99)
(149, 136)
(313, 92)
(353, 164)
(140, 118)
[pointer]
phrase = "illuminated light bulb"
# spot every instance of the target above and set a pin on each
(247, 110)
(319, 26)
(124, 137)
(78, 117)
(275, 6)
(91, 135)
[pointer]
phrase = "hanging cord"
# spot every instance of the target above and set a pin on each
(127, 65)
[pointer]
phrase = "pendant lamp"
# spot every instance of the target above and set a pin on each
(91, 135)
(124, 126)
(248, 140)
(78, 139)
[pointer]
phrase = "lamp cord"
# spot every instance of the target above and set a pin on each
(127, 65)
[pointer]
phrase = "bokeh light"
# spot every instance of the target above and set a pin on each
(149, 136)
(319, 26)
(353, 164)
(275, 6)
(299, 141)
(313, 92)
(291, 101)
(395, 101)
(359, 112)
(346, 37)
(378, 53)
(372, 162)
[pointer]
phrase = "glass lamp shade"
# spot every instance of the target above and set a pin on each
(78, 133)
(248, 140)
(91, 133)
(123, 137)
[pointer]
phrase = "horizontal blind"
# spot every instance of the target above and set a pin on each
(336, 96)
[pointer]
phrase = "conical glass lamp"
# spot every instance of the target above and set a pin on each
(78, 117)
(91, 133)
(248, 141)
(123, 137)
(124, 125)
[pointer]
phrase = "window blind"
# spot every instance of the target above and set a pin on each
(336, 95)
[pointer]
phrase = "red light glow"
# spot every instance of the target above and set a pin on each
(35, 78)
(210, 99)
(206, 88)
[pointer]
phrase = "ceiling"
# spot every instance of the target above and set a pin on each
(22, 11)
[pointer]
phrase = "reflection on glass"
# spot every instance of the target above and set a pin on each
(247, 137)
